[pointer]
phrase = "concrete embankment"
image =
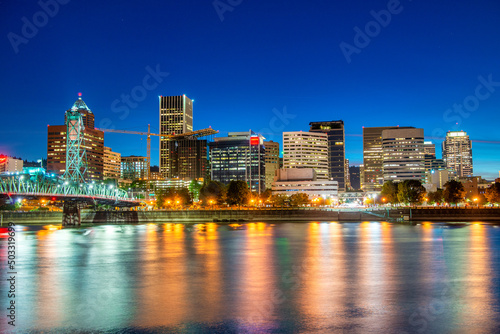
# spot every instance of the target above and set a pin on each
(255, 215)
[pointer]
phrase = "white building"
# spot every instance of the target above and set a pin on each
(306, 150)
(10, 165)
(403, 154)
(457, 152)
(289, 181)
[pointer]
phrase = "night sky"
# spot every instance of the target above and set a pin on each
(269, 66)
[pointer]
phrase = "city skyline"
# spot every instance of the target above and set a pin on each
(255, 72)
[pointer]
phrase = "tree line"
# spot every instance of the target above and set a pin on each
(213, 193)
(413, 192)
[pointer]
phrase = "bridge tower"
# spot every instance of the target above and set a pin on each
(76, 159)
(76, 154)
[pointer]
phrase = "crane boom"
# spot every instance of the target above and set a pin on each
(195, 134)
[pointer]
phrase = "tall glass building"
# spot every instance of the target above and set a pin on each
(239, 156)
(457, 153)
(336, 149)
(176, 117)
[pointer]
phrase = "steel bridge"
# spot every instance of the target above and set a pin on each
(74, 195)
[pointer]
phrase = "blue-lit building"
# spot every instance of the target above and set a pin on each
(239, 156)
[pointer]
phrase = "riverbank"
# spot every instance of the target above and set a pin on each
(267, 214)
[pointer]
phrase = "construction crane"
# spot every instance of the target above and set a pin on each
(194, 134)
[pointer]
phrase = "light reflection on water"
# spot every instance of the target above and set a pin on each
(257, 278)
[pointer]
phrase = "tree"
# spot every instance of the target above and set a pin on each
(172, 196)
(194, 189)
(213, 191)
(411, 192)
(278, 199)
(453, 192)
(436, 196)
(493, 193)
(299, 199)
(390, 192)
(238, 193)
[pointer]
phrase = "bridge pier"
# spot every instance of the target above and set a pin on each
(71, 214)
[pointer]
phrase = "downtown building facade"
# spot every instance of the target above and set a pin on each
(272, 157)
(290, 181)
(355, 177)
(93, 143)
(307, 150)
(336, 150)
(188, 159)
(403, 154)
(176, 117)
(373, 157)
(111, 164)
(431, 162)
(239, 156)
(10, 165)
(134, 168)
(457, 153)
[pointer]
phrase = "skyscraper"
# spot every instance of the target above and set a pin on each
(403, 154)
(457, 153)
(307, 150)
(373, 168)
(93, 142)
(239, 156)
(176, 117)
(336, 149)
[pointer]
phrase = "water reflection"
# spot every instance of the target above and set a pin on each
(258, 277)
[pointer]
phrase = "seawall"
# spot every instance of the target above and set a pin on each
(253, 215)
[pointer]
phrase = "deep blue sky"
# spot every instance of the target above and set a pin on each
(264, 56)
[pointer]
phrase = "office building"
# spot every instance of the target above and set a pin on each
(336, 149)
(112, 164)
(355, 177)
(239, 156)
(176, 117)
(431, 163)
(272, 156)
(373, 165)
(403, 154)
(307, 150)
(187, 159)
(93, 143)
(10, 165)
(457, 153)
(289, 181)
(134, 168)
(436, 179)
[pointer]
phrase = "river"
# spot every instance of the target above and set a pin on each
(255, 278)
